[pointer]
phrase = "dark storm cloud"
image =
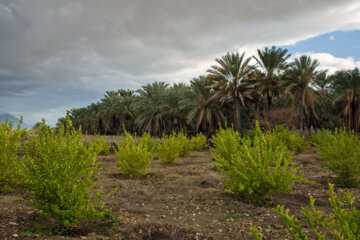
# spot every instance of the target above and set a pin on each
(91, 46)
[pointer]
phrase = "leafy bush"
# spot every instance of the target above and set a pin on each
(340, 152)
(169, 149)
(256, 233)
(59, 172)
(292, 139)
(254, 167)
(133, 158)
(103, 146)
(198, 142)
(226, 143)
(9, 148)
(184, 143)
(343, 222)
(149, 142)
(320, 136)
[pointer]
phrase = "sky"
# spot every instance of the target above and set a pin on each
(57, 55)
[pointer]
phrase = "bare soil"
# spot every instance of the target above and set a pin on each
(181, 201)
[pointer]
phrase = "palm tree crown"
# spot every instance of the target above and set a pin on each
(347, 90)
(230, 81)
(272, 62)
(301, 83)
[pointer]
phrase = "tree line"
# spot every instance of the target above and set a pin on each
(235, 91)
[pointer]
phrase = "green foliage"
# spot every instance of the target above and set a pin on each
(10, 140)
(133, 158)
(343, 221)
(226, 143)
(103, 146)
(59, 172)
(256, 233)
(340, 151)
(184, 143)
(149, 142)
(318, 137)
(254, 167)
(292, 139)
(198, 142)
(169, 149)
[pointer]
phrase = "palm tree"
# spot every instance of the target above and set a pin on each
(230, 81)
(201, 107)
(109, 111)
(272, 62)
(173, 110)
(127, 115)
(150, 108)
(301, 82)
(347, 91)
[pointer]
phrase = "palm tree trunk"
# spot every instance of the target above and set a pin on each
(301, 115)
(237, 115)
(269, 98)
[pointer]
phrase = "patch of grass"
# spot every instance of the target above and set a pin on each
(19, 201)
(237, 215)
(36, 233)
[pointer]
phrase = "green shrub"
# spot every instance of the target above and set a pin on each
(322, 136)
(256, 233)
(133, 158)
(149, 142)
(10, 140)
(103, 146)
(254, 167)
(198, 142)
(292, 139)
(226, 143)
(184, 143)
(342, 222)
(169, 149)
(340, 152)
(59, 172)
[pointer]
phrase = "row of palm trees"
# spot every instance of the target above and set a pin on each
(235, 91)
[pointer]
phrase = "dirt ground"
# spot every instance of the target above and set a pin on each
(181, 201)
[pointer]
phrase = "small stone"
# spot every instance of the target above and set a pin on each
(15, 235)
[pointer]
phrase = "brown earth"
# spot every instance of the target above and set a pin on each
(181, 201)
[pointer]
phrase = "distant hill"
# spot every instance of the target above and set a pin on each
(4, 116)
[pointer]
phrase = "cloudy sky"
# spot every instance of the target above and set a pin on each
(57, 55)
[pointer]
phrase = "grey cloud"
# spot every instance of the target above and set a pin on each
(91, 46)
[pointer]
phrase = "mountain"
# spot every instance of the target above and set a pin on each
(4, 116)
